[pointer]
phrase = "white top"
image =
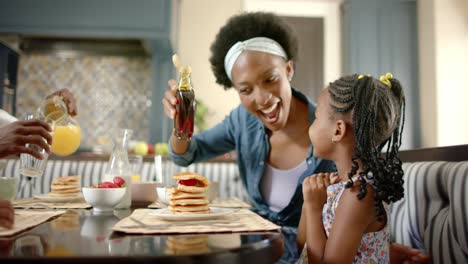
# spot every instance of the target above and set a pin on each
(6, 118)
(278, 186)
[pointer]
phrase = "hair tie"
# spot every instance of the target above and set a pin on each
(386, 79)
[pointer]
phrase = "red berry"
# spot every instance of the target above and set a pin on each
(108, 185)
(189, 182)
(119, 181)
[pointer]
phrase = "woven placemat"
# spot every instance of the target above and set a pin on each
(232, 202)
(25, 219)
(242, 220)
(30, 203)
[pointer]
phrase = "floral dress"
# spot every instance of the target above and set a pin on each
(374, 247)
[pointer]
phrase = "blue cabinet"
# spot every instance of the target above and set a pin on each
(152, 21)
(143, 19)
(381, 36)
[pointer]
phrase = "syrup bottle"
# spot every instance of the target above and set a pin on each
(185, 109)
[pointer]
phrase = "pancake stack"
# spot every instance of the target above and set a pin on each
(186, 245)
(190, 194)
(68, 186)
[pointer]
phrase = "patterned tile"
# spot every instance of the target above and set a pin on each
(111, 91)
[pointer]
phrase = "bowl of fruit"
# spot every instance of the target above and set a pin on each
(106, 195)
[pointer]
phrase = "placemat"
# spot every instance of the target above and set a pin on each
(232, 202)
(30, 203)
(242, 220)
(25, 219)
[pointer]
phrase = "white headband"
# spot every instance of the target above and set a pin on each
(258, 44)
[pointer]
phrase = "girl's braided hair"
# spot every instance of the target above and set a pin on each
(377, 120)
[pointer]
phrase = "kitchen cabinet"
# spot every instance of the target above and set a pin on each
(152, 21)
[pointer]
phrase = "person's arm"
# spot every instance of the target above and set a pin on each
(7, 214)
(301, 231)
(314, 189)
(6, 118)
(352, 218)
(400, 254)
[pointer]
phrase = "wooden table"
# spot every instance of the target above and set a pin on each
(81, 236)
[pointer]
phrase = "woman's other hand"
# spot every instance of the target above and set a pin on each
(170, 101)
(15, 136)
(7, 214)
(402, 254)
(69, 100)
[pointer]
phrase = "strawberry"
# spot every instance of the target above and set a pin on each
(189, 182)
(108, 185)
(119, 181)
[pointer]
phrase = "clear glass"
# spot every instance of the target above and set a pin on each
(30, 166)
(67, 136)
(8, 187)
(136, 162)
(119, 164)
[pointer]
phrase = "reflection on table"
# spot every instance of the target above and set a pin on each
(83, 236)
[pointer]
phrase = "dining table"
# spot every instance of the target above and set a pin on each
(86, 236)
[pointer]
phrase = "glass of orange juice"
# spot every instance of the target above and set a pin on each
(67, 132)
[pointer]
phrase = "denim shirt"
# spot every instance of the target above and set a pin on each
(245, 133)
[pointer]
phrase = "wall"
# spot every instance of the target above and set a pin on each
(112, 91)
(200, 20)
(443, 33)
(329, 10)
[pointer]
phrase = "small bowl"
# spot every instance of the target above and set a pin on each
(163, 196)
(103, 199)
(144, 191)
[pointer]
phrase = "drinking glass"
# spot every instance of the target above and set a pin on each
(136, 162)
(30, 166)
(8, 187)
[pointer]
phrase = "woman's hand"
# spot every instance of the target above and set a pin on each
(7, 214)
(402, 254)
(14, 137)
(68, 99)
(170, 101)
(314, 189)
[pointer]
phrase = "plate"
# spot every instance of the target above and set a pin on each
(48, 198)
(166, 214)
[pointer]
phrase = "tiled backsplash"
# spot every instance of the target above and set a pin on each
(112, 91)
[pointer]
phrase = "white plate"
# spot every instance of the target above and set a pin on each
(48, 198)
(216, 212)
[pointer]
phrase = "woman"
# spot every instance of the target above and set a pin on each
(255, 54)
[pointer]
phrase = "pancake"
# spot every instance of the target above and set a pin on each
(190, 194)
(189, 202)
(188, 208)
(65, 186)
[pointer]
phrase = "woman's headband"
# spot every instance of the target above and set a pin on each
(257, 44)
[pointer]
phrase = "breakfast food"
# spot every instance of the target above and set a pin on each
(68, 186)
(186, 245)
(117, 182)
(190, 194)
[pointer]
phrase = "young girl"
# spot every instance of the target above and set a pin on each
(356, 117)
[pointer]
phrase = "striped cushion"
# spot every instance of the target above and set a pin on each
(433, 215)
(227, 174)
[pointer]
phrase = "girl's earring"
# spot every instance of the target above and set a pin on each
(290, 78)
(333, 141)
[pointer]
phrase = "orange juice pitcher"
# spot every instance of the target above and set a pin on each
(67, 132)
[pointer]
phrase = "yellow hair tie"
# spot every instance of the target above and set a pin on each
(362, 76)
(386, 79)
